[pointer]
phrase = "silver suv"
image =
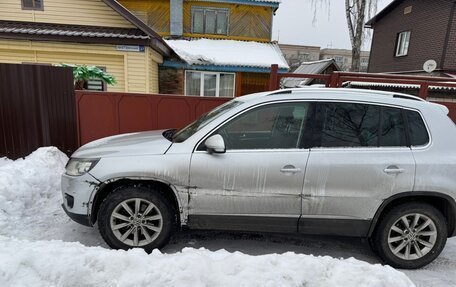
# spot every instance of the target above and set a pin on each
(315, 161)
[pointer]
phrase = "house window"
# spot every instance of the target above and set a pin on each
(403, 40)
(96, 84)
(209, 21)
(209, 84)
(32, 4)
(339, 59)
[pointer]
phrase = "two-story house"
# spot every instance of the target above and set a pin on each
(93, 32)
(224, 47)
(407, 33)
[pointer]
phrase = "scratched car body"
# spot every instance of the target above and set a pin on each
(314, 161)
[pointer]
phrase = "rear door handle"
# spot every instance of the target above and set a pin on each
(290, 169)
(392, 169)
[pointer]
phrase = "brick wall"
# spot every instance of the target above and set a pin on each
(428, 23)
(450, 58)
(171, 81)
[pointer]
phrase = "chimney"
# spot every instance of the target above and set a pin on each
(176, 17)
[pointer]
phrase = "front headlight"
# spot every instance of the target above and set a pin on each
(80, 166)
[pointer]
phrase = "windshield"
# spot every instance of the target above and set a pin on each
(208, 117)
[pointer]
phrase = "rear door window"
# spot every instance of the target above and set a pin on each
(340, 124)
(349, 124)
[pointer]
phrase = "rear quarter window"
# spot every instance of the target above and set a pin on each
(417, 129)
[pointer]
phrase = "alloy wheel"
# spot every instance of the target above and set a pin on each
(136, 222)
(412, 236)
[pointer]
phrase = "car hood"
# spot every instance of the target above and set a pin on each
(132, 144)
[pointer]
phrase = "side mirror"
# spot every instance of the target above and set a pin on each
(215, 144)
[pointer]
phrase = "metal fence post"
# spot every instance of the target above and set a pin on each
(273, 78)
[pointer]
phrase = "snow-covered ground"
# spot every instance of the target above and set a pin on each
(39, 247)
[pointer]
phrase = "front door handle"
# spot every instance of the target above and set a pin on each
(290, 169)
(392, 169)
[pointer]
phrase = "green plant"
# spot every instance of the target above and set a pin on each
(83, 73)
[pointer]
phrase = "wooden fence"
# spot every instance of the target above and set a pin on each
(37, 108)
(102, 114)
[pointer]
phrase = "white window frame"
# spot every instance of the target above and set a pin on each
(402, 44)
(217, 84)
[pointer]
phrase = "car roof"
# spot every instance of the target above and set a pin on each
(343, 94)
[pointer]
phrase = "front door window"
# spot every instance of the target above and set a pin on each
(278, 126)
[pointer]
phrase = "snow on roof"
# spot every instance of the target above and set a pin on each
(228, 53)
(264, 1)
(314, 67)
(396, 85)
(271, 1)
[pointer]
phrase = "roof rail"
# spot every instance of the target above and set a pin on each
(347, 90)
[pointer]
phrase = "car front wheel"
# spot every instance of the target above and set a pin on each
(410, 236)
(133, 217)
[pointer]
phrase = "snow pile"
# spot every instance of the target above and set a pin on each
(228, 53)
(4, 161)
(46, 263)
(30, 210)
(28, 185)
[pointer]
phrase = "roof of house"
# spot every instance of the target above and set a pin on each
(73, 33)
(385, 11)
(46, 29)
(355, 84)
(315, 67)
(228, 53)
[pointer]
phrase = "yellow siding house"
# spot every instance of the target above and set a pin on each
(92, 32)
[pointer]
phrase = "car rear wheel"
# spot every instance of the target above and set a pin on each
(132, 217)
(410, 236)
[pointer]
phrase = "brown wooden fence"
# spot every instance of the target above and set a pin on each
(37, 108)
(102, 114)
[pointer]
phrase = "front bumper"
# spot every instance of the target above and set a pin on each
(76, 193)
(79, 218)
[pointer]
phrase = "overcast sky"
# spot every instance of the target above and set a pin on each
(293, 24)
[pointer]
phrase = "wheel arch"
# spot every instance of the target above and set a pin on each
(111, 185)
(443, 202)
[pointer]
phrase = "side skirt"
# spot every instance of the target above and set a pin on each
(340, 227)
(315, 226)
(244, 223)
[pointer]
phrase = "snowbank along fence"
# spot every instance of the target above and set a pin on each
(37, 108)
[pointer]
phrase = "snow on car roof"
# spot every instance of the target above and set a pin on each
(228, 53)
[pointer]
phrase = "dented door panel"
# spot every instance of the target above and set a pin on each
(260, 182)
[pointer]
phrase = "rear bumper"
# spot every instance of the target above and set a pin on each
(79, 218)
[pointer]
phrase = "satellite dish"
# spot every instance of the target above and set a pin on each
(429, 66)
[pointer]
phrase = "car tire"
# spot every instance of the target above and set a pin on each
(136, 217)
(410, 236)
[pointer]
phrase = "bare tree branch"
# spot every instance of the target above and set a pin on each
(356, 12)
